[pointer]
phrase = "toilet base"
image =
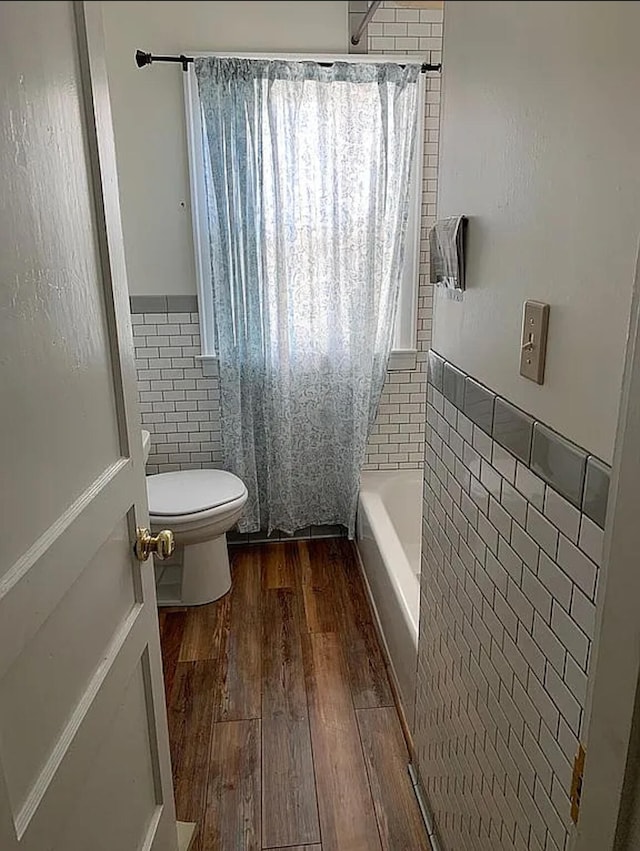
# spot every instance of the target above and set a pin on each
(205, 572)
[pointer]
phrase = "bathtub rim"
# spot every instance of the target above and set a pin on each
(396, 690)
(396, 614)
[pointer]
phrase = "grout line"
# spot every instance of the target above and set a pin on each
(366, 766)
(311, 744)
(285, 847)
(301, 618)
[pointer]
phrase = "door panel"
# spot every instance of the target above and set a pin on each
(37, 699)
(56, 339)
(36, 583)
(84, 761)
(51, 802)
(122, 777)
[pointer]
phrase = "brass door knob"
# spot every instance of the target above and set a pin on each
(161, 545)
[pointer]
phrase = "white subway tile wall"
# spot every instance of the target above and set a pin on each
(180, 405)
(508, 588)
(397, 439)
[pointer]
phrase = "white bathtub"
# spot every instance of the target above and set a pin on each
(388, 538)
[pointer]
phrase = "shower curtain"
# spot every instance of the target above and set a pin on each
(307, 175)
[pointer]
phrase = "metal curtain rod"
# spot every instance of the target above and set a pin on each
(143, 59)
(355, 38)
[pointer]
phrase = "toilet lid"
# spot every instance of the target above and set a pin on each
(191, 491)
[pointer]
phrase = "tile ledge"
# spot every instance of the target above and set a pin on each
(402, 359)
(209, 364)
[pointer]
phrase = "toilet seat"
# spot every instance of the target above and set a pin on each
(199, 506)
(193, 494)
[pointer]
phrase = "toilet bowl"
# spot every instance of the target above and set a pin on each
(199, 506)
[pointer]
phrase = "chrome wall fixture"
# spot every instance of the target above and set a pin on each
(355, 38)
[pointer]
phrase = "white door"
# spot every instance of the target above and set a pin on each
(84, 762)
(610, 805)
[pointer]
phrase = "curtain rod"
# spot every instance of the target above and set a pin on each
(143, 59)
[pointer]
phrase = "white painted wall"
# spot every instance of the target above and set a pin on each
(148, 111)
(540, 148)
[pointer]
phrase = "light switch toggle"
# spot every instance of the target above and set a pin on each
(533, 349)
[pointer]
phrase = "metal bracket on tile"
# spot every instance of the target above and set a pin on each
(424, 808)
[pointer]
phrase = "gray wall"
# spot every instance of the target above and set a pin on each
(148, 110)
(539, 149)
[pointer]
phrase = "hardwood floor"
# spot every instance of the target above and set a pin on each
(282, 726)
(290, 813)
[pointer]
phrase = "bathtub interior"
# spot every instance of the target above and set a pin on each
(402, 496)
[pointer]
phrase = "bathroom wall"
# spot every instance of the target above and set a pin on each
(148, 111)
(180, 403)
(397, 438)
(537, 149)
(156, 217)
(512, 544)
(179, 397)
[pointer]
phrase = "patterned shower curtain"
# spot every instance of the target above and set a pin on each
(307, 173)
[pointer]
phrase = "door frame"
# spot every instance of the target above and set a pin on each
(613, 697)
(104, 177)
(62, 551)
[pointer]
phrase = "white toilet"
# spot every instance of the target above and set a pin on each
(199, 506)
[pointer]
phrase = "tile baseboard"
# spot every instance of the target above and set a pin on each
(573, 472)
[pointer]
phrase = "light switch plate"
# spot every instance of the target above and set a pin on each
(533, 352)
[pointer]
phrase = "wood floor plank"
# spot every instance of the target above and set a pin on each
(293, 643)
(172, 625)
(335, 601)
(189, 713)
(347, 818)
(318, 588)
(300, 848)
(289, 806)
(280, 565)
(386, 757)
(238, 686)
(205, 630)
(368, 676)
(232, 817)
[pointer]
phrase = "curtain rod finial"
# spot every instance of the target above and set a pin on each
(143, 58)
